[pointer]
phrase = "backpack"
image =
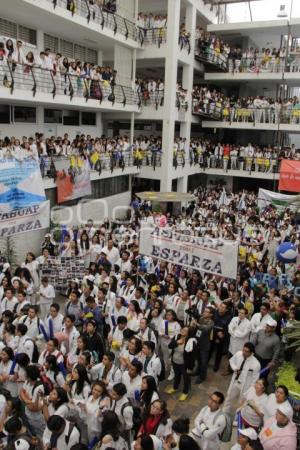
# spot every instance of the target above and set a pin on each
(46, 383)
(226, 434)
(162, 375)
(35, 354)
(136, 417)
(71, 428)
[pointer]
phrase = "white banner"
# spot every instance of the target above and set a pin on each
(35, 217)
(216, 256)
(281, 201)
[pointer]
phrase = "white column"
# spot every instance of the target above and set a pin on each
(188, 72)
(40, 40)
(132, 117)
(99, 123)
(182, 184)
(99, 58)
(170, 94)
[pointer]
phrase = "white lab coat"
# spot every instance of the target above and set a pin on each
(249, 374)
(258, 322)
(239, 334)
(208, 427)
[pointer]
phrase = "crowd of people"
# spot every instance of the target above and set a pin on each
(236, 60)
(91, 367)
(109, 6)
(257, 109)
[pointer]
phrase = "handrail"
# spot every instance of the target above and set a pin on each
(116, 25)
(71, 89)
(54, 3)
(34, 81)
(102, 23)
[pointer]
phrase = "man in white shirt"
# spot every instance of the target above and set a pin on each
(18, 55)
(239, 329)
(210, 423)
(246, 369)
(47, 295)
(25, 344)
(61, 433)
(54, 320)
(124, 262)
(112, 252)
(152, 364)
(121, 406)
(259, 320)
(33, 323)
(107, 371)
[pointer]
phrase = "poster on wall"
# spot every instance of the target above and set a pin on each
(73, 179)
(289, 176)
(197, 253)
(61, 270)
(23, 204)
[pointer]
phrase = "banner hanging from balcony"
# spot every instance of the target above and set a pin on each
(73, 178)
(208, 255)
(289, 176)
(23, 205)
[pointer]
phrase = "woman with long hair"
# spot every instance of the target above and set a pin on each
(8, 379)
(52, 371)
(96, 405)
(156, 420)
(56, 403)
(147, 442)
(149, 391)
(133, 351)
(183, 348)
(33, 266)
(111, 433)
(134, 316)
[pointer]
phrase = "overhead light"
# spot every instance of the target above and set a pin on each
(282, 11)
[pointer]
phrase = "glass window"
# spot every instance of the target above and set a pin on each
(27, 35)
(71, 118)
(4, 114)
(66, 48)
(88, 118)
(8, 29)
(51, 42)
(24, 114)
(53, 116)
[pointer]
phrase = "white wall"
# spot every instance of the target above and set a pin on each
(25, 129)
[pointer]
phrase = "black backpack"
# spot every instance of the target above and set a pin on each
(71, 428)
(162, 375)
(136, 417)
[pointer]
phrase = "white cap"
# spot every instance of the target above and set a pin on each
(104, 252)
(286, 409)
(271, 322)
(249, 432)
(22, 444)
(5, 267)
(90, 278)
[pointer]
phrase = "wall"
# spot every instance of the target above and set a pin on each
(217, 178)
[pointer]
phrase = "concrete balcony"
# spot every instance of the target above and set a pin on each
(246, 28)
(85, 24)
(28, 84)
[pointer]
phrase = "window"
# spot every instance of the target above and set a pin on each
(79, 52)
(51, 42)
(88, 118)
(15, 31)
(66, 48)
(110, 186)
(4, 114)
(53, 116)
(91, 56)
(24, 114)
(71, 118)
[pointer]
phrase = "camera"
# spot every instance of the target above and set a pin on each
(193, 312)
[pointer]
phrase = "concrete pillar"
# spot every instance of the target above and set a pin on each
(99, 123)
(40, 40)
(40, 116)
(132, 117)
(170, 94)
(99, 58)
(182, 184)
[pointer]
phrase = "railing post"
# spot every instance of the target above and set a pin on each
(54, 3)
(34, 81)
(127, 31)
(116, 25)
(101, 93)
(71, 89)
(124, 97)
(12, 83)
(102, 18)
(53, 92)
(89, 11)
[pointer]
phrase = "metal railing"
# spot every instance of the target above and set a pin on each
(152, 36)
(35, 79)
(285, 115)
(99, 15)
(207, 55)
(184, 43)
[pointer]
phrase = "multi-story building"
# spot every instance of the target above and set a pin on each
(34, 99)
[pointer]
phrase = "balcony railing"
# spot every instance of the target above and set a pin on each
(35, 79)
(100, 16)
(285, 115)
(152, 36)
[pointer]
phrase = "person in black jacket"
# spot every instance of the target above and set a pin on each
(95, 343)
(204, 326)
(220, 340)
(183, 348)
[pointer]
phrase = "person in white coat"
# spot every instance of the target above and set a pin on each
(246, 369)
(259, 320)
(69, 346)
(63, 432)
(239, 329)
(210, 423)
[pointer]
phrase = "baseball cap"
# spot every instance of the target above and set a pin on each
(249, 432)
(286, 409)
(271, 322)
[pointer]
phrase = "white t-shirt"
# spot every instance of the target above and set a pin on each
(248, 413)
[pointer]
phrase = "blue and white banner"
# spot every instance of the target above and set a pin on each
(23, 204)
(21, 184)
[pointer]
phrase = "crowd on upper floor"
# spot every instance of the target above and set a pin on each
(258, 109)
(109, 6)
